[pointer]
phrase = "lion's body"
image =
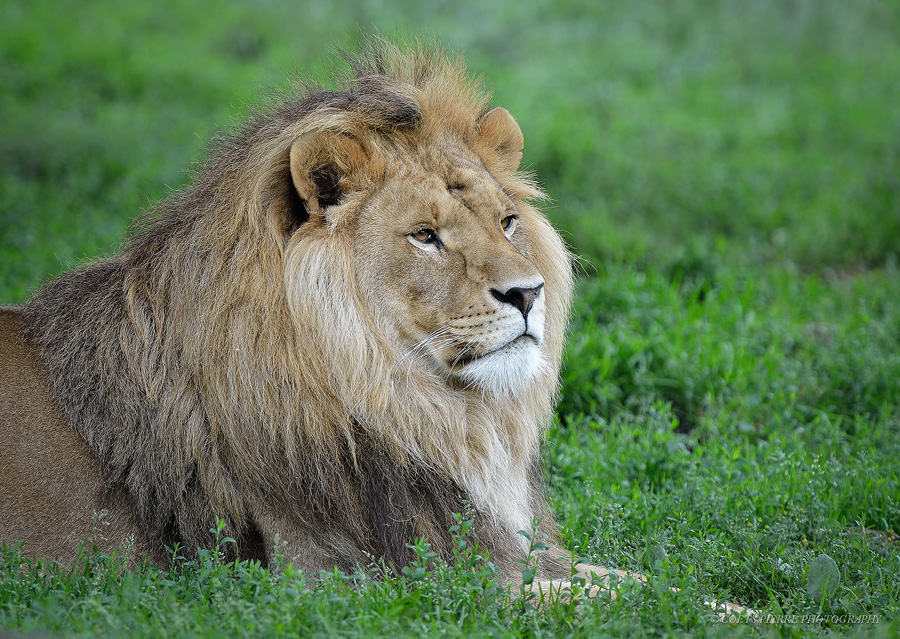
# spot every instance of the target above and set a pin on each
(52, 483)
(347, 330)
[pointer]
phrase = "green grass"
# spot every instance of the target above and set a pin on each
(730, 408)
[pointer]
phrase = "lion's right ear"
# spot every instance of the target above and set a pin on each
(321, 166)
(499, 130)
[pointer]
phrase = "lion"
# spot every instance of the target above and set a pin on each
(348, 329)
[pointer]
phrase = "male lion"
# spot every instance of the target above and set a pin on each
(347, 330)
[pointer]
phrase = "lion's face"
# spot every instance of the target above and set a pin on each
(440, 251)
(443, 258)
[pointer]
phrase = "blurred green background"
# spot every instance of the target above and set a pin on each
(764, 131)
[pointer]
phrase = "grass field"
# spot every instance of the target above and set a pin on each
(729, 172)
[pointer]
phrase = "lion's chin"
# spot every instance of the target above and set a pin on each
(509, 368)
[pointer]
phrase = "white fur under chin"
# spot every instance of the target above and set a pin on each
(507, 369)
(504, 494)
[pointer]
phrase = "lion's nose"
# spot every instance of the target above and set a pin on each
(521, 298)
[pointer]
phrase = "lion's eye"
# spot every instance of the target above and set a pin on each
(424, 236)
(508, 224)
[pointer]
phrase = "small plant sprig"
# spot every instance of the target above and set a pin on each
(209, 574)
(472, 564)
(418, 568)
(464, 583)
(530, 563)
(218, 554)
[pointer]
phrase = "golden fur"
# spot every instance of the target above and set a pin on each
(283, 347)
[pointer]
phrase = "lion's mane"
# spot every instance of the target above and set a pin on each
(214, 378)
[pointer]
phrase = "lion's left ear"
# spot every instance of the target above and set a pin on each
(499, 130)
(321, 165)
